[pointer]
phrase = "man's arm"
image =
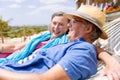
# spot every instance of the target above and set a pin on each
(55, 73)
(8, 75)
(112, 69)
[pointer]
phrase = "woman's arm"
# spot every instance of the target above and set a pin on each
(11, 47)
(7, 48)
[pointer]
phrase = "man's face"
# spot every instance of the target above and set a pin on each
(76, 28)
(58, 26)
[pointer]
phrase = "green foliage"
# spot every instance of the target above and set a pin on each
(19, 31)
(4, 27)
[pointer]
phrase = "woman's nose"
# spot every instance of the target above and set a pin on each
(56, 26)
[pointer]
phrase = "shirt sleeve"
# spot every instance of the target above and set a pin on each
(79, 62)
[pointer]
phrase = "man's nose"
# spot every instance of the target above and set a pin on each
(69, 25)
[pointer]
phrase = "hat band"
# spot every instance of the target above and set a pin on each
(83, 15)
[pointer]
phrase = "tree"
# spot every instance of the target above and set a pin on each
(28, 31)
(3, 27)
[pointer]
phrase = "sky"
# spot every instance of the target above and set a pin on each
(33, 12)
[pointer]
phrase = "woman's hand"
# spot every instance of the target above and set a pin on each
(12, 48)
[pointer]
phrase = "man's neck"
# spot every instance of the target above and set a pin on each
(72, 38)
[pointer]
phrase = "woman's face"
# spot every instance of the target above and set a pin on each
(58, 26)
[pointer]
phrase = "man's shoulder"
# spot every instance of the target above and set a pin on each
(82, 44)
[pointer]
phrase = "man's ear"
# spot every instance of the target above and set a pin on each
(88, 28)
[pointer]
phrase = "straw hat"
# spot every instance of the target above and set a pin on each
(93, 15)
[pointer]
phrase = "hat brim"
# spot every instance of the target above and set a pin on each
(103, 35)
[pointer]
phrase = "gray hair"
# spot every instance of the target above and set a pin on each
(96, 32)
(59, 13)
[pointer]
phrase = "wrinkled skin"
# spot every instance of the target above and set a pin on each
(58, 26)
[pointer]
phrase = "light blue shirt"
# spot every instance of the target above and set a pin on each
(78, 59)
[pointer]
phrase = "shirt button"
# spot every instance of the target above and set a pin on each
(66, 69)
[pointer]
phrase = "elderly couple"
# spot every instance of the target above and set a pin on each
(68, 57)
